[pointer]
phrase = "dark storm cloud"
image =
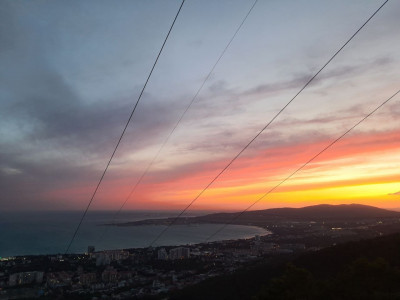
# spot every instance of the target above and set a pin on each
(52, 137)
(67, 134)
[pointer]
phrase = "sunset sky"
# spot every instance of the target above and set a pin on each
(71, 72)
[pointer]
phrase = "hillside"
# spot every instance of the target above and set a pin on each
(367, 269)
(323, 212)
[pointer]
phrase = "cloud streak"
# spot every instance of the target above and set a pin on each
(69, 79)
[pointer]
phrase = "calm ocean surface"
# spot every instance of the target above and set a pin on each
(50, 232)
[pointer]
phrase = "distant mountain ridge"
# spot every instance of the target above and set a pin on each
(324, 211)
(343, 212)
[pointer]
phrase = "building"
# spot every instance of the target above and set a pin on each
(179, 253)
(110, 275)
(162, 254)
(25, 278)
(59, 279)
(105, 257)
(87, 278)
(117, 254)
(102, 259)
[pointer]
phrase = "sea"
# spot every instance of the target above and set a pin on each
(34, 233)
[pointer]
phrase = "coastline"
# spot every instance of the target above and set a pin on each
(193, 221)
(41, 242)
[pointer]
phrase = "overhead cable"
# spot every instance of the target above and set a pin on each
(303, 166)
(123, 132)
(267, 125)
(181, 116)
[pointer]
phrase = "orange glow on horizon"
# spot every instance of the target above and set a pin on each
(359, 169)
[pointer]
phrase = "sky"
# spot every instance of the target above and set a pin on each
(71, 72)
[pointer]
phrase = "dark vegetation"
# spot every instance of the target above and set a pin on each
(367, 269)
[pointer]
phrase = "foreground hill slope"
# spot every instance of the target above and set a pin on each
(367, 269)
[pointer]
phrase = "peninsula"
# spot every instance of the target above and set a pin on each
(324, 213)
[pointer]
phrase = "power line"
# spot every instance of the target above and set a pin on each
(266, 126)
(123, 132)
(302, 166)
(183, 114)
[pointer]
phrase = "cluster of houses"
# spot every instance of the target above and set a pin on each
(134, 272)
(175, 253)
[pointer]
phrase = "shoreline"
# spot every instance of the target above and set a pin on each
(164, 222)
(181, 237)
(133, 249)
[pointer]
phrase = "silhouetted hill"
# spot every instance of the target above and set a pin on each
(343, 212)
(325, 211)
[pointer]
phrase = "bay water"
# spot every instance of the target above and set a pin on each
(31, 233)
